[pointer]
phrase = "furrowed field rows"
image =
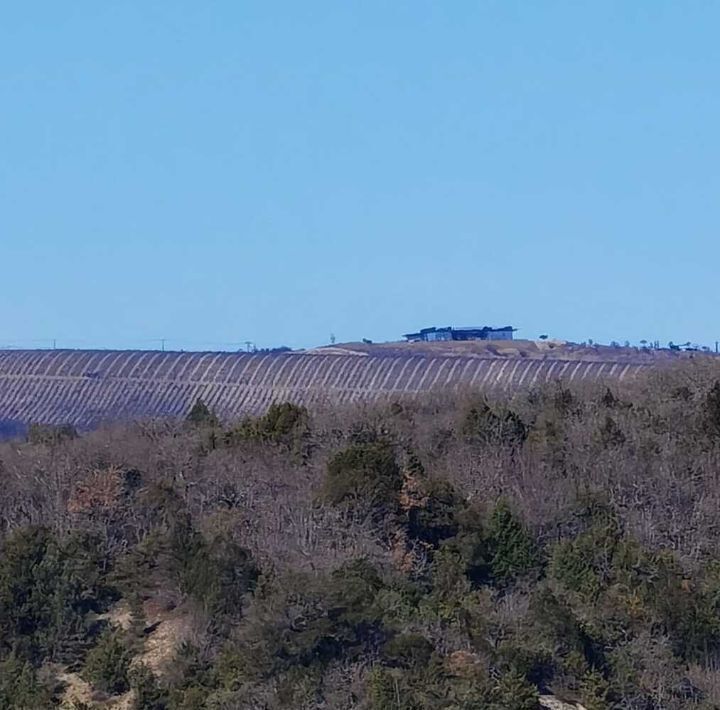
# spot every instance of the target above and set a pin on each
(86, 387)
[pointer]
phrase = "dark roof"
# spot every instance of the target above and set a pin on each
(462, 329)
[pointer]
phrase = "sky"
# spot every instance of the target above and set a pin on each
(225, 171)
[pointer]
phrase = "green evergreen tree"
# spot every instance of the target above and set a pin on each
(513, 551)
(202, 415)
(149, 695)
(108, 663)
(47, 593)
(20, 688)
(363, 473)
(513, 692)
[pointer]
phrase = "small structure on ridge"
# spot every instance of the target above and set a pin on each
(430, 335)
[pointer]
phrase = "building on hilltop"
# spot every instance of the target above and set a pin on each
(431, 335)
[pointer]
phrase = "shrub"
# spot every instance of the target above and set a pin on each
(527, 657)
(583, 564)
(483, 424)
(407, 651)
(555, 622)
(299, 621)
(190, 678)
(513, 692)
(595, 691)
(20, 688)
(284, 424)
(610, 433)
(365, 473)
(687, 611)
(497, 554)
(47, 592)
(218, 574)
(469, 549)
(351, 603)
(202, 415)
(433, 516)
(411, 689)
(148, 693)
(192, 698)
(51, 435)
(563, 401)
(393, 690)
(711, 410)
(512, 551)
(108, 663)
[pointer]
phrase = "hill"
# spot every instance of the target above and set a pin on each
(84, 388)
(557, 548)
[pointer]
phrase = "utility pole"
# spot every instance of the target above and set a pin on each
(54, 344)
(162, 344)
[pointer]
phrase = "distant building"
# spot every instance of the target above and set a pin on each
(431, 335)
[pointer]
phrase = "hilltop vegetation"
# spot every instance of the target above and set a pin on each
(646, 353)
(453, 553)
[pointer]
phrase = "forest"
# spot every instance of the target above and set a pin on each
(453, 551)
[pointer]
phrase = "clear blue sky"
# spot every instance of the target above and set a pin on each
(227, 170)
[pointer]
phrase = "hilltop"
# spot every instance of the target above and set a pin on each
(86, 387)
(532, 349)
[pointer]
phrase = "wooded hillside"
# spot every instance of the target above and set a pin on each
(446, 552)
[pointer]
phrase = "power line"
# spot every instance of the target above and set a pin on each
(163, 344)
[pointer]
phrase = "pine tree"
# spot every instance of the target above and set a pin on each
(108, 663)
(202, 415)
